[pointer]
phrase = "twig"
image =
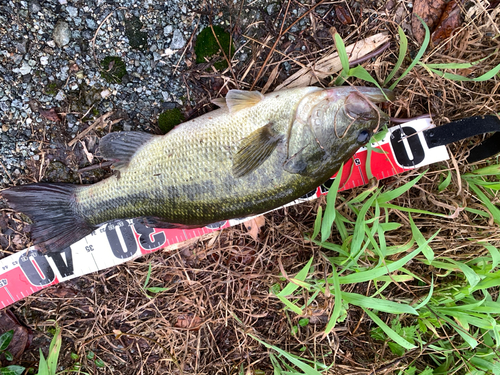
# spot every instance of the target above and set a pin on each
(96, 166)
(97, 122)
(225, 57)
(279, 38)
(99, 28)
(370, 55)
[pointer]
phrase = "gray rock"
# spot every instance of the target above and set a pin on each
(61, 34)
(91, 24)
(167, 30)
(34, 6)
(24, 69)
(21, 47)
(72, 11)
(60, 95)
(178, 40)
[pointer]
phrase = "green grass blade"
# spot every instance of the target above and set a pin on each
(472, 277)
(337, 307)
(291, 358)
(490, 281)
(403, 48)
(465, 335)
(359, 232)
(372, 274)
(378, 304)
(361, 73)
(457, 77)
(420, 53)
(428, 298)
(301, 276)
(344, 59)
(157, 289)
(333, 247)
(43, 368)
(443, 185)
(317, 223)
(297, 310)
(330, 211)
(276, 365)
(393, 194)
(495, 255)
(387, 227)
(55, 347)
(147, 276)
(421, 241)
(392, 250)
(488, 184)
(487, 202)
(389, 331)
(490, 170)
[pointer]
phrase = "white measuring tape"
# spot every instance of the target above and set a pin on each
(29, 271)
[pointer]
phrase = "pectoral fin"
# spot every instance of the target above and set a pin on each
(237, 100)
(255, 149)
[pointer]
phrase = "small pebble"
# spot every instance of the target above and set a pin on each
(61, 34)
(178, 40)
(72, 11)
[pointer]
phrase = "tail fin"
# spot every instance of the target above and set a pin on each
(52, 207)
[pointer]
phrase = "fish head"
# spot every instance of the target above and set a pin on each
(331, 125)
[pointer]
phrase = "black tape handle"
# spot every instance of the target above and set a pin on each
(465, 128)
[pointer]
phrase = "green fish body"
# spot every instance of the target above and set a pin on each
(256, 153)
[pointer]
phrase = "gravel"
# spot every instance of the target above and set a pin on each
(51, 53)
(47, 61)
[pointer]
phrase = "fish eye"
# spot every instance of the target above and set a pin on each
(364, 136)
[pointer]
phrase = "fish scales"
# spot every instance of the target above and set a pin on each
(254, 154)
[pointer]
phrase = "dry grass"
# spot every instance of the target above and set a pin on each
(219, 286)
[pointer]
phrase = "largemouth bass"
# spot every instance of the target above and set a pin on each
(256, 153)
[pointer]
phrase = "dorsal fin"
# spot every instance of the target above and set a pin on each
(237, 100)
(119, 147)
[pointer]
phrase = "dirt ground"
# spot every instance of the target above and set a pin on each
(218, 287)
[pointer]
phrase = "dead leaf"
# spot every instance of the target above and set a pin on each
(253, 226)
(191, 322)
(450, 20)
(49, 114)
(18, 242)
(343, 15)
(242, 255)
(331, 64)
(60, 292)
(22, 335)
(430, 11)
